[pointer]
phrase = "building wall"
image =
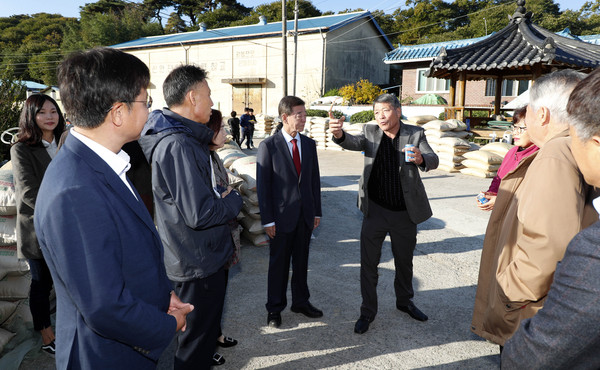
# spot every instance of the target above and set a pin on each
(474, 95)
(354, 53)
(351, 55)
(262, 58)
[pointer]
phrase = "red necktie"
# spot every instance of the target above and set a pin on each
(296, 156)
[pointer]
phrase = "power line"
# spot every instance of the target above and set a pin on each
(331, 41)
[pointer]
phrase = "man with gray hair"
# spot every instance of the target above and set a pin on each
(392, 198)
(192, 214)
(549, 207)
(566, 333)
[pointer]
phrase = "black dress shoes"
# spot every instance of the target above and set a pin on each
(308, 310)
(274, 319)
(227, 342)
(413, 311)
(362, 325)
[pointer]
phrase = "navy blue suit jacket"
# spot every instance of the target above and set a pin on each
(106, 261)
(565, 334)
(281, 193)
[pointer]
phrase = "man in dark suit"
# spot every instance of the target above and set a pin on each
(115, 309)
(565, 333)
(392, 198)
(289, 196)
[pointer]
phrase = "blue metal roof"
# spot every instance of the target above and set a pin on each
(427, 51)
(430, 51)
(567, 33)
(591, 39)
(259, 30)
(32, 85)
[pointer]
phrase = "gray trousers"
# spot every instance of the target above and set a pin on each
(403, 233)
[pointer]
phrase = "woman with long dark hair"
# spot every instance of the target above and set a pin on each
(40, 127)
(221, 184)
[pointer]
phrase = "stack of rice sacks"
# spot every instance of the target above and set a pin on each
(15, 279)
(419, 120)
(318, 131)
(447, 139)
(485, 161)
(263, 126)
(351, 128)
(242, 176)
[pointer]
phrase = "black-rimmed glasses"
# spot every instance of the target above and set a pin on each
(148, 103)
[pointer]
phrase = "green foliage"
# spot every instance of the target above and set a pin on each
(323, 113)
(175, 24)
(222, 17)
(109, 28)
(427, 21)
(31, 45)
(273, 12)
(332, 92)
(199, 11)
(362, 92)
(480, 113)
(103, 7)
(155, 8)
(407, 100)
(362, 117)
(12, 96)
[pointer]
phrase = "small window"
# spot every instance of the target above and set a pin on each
(509, 87)
(429, 84)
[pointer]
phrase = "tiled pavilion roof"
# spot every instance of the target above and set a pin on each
(515, 51)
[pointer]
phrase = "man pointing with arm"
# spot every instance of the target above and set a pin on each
(392, 198)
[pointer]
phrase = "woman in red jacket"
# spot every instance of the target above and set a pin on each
(524, 147)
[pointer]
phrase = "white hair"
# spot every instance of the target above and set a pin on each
(552, 91)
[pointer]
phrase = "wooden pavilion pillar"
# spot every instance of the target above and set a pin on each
(498, 94)
(536, 71)
(452, 91)
(451, 110)
(462, 84)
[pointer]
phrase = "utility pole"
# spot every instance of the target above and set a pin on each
(284, 46)
(295, 43)
(485, 22)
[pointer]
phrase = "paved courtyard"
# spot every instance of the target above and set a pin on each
(445, 274)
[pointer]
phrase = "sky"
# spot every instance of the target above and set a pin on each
(70, 8)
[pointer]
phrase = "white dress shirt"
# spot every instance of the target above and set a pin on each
(288, 139)
(118, 162)
(51, 148)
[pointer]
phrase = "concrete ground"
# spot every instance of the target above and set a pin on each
(446, 264)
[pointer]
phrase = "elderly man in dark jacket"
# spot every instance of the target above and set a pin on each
(392, 199)
(191, 216)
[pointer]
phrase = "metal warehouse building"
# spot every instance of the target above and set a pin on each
(245, 63)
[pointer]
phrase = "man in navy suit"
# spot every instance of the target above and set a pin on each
(289, 196)
(115, 309)
(565, 334)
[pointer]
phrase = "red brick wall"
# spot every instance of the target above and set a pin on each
(474, 95)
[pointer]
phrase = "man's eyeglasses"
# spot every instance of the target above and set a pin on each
(148, 103)
(299, 115)
(518, 129)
